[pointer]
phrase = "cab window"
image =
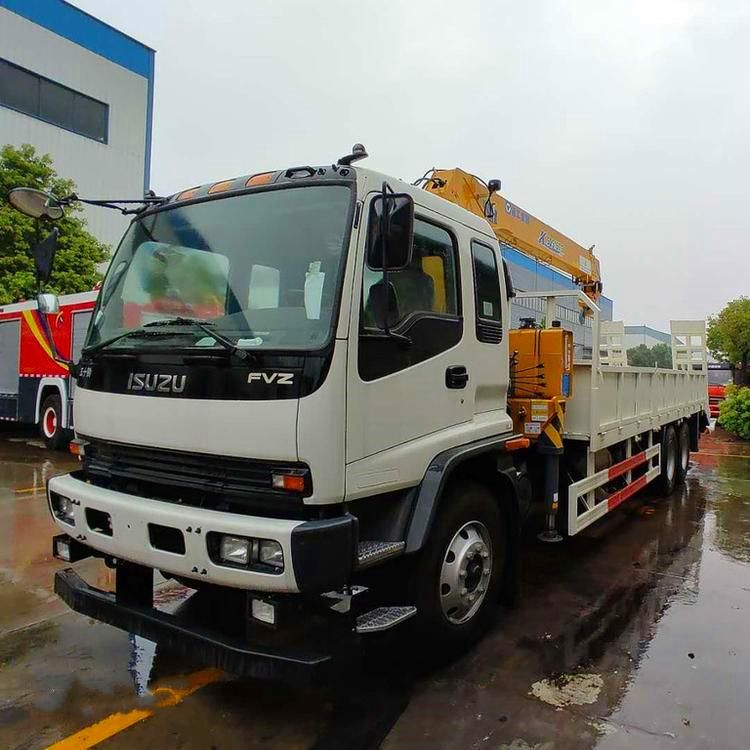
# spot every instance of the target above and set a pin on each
(423, 304)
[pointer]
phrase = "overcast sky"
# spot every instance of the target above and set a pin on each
(623, 123)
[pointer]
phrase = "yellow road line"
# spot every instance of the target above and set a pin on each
(29, 489)
(118, 722)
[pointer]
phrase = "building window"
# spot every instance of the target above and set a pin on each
(52, 102)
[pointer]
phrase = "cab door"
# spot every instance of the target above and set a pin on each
(406, 390)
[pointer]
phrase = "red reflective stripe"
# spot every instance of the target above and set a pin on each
(626, 465)
(622, 495)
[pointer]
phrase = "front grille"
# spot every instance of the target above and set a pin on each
(195, 479)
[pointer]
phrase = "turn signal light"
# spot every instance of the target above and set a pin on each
(77, 447)
(289, 482)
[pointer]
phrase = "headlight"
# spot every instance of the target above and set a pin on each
(245, 552)
(271, 554)
(62, 549)
(62, 508)
(235, 549)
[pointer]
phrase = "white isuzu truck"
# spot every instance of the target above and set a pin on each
(300, 395)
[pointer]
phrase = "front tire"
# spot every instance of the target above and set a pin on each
(457, 577)
(668, 461)
(50, 423)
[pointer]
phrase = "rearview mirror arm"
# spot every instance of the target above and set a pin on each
(72, 366)
(384, 229)
(117, 204)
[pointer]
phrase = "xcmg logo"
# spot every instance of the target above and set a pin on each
(550, 243)
(280, 378)
(516, 212)
(155, 383)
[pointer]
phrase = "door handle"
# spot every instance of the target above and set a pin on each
(456, 377)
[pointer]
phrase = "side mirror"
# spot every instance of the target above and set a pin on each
(49, 304)
(35, 203)
(383, 305)
(44, 255)
(390, 231)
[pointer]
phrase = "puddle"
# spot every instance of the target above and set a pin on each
(17, 644)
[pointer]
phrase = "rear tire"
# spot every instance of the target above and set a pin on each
(668, 477)
(456, 579)
(683, 452)
(55, 436)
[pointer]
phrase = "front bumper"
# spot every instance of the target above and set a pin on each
(319, 555)
(287, 663)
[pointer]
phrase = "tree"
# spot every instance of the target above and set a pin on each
(78, 253)
(662, 355)
(734, 411)
(729, 336)
(659, 355)
(641, 356)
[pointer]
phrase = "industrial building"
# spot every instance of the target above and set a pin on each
(637, 335)
(82, 91)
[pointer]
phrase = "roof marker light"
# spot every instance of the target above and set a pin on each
(260, 179)
(220, 187)
(187, 195)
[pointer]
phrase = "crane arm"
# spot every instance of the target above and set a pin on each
(517, 228)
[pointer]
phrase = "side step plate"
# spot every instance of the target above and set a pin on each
(372, 553)
(383, 618)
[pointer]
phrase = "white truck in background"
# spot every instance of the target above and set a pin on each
(299, 395)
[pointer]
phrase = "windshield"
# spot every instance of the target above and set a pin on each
(261, 269)
(720, 377)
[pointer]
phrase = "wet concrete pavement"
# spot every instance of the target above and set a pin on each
(634, 634)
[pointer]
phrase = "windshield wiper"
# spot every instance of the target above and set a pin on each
(104, 344)
(208, 328)
(144, 331)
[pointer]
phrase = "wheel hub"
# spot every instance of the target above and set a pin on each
(49, 422)
(465, 573)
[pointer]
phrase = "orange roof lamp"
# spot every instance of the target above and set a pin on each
(517, 228)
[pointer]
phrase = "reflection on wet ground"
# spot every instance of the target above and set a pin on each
(631, 635)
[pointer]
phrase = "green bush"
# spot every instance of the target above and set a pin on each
(734, 411)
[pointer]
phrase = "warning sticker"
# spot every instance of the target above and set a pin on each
(532, 428)
(539, 411)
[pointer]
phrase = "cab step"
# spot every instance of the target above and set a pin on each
(372, 553)
(383, 618)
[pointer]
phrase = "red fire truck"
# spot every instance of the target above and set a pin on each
(720, 375)
(34, 388)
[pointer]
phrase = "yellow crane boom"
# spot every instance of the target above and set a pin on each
(518, 228)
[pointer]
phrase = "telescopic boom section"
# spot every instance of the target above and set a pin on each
(517, 228)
